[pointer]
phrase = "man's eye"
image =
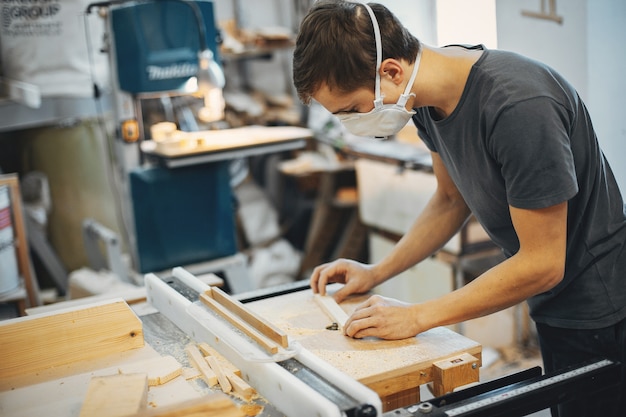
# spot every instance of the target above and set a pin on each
(347, 111)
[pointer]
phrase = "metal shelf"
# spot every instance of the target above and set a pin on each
(53, 110)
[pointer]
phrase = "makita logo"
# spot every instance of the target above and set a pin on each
(171, 71)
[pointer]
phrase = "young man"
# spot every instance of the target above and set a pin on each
(512, 143)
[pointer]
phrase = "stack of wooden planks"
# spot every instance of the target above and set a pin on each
(214, 370)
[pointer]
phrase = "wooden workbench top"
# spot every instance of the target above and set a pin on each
(397, 364)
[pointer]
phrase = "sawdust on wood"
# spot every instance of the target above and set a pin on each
(251, 410)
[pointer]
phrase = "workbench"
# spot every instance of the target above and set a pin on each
(393, 369)
(226, 144)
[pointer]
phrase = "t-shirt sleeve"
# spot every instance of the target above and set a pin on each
(531, 144)
(422, 131)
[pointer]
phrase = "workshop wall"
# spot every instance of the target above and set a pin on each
(607, 86)
(584, 48)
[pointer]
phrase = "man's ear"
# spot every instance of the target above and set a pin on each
(391, 69)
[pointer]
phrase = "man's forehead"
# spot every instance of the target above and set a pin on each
(326, 96)
(336, 100)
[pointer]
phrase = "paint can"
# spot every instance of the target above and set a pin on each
(9, 277)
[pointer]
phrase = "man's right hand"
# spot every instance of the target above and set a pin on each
(358, 278)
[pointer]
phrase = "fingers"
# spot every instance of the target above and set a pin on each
(325, 274)
(321, 277)
(342, 293)
(360, 328)
(367, 332)
(383, 318)
(314, 280)
(356, 277)
(361, 322)
(355, 284)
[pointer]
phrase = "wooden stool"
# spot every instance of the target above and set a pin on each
(29, 288)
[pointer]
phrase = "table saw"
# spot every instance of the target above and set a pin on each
(309, 369)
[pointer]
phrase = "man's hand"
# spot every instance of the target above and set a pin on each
(357, 277)
(383, 317)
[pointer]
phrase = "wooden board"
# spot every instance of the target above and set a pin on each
(31, 344)
(388, 367)
(159, 370)
(211, 405)
(115, 396)
(228, 139)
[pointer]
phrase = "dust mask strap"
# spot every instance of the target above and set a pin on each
(378, 100)
(407, 90)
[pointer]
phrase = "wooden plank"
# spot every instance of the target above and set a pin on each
(332, 309)
(115, 396)
(259, 323)
(234, 138)
(33, 343)
(263, 341)
(197, 360)
(211, 405)
(225, 385)
(159, 370)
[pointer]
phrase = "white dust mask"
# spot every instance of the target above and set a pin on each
(384, 119)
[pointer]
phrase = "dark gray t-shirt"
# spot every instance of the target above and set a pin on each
(521, 136)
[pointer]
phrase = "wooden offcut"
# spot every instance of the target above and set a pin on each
(240, 387)
(115, 396)
(160, 370)
(211, 405)
(198, 362)
(33, 343)
(269, 345)
(219, 373)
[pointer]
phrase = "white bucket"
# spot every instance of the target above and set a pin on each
(9, 278)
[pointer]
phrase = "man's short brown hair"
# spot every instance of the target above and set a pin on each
(336, 46)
